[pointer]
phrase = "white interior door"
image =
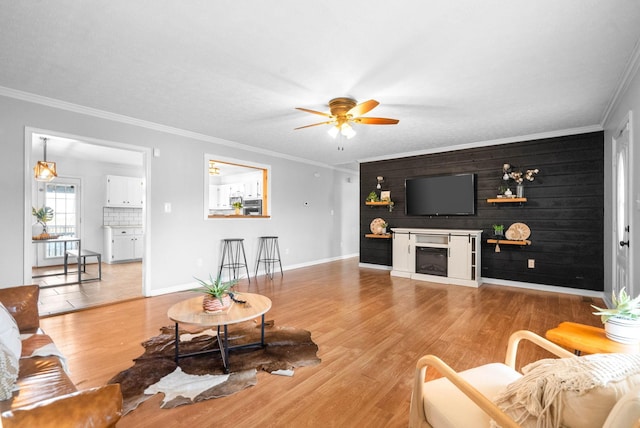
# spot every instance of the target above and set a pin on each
(622, 268)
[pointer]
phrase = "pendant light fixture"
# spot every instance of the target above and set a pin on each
(213, 169)
(45, 171)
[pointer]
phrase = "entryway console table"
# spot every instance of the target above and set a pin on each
(448, 256)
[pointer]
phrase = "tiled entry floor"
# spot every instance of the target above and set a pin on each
(119, 282)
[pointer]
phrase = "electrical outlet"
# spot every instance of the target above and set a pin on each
(531, 263)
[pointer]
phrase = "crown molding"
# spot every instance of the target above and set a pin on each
(115, 117)
(631, 70)
(507, 140)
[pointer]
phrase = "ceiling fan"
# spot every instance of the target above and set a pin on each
(344, 112)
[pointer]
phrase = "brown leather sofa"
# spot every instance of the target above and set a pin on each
(46, 395)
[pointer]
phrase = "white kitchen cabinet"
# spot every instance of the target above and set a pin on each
(125, 191)
(449, 256)
(123, 244)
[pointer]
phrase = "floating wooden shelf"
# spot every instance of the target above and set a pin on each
(508, 242)
(381, 203)
(236, 216)
(383, 236)
(506, 200)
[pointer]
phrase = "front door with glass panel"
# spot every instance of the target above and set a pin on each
(62, 195)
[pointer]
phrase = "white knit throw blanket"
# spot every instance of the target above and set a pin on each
(538, 392)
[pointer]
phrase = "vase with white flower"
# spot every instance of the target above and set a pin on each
(510, 173)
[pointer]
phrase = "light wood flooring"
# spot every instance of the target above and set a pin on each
(370, 328)
(122, 281)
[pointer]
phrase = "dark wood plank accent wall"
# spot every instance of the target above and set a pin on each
(565, 207)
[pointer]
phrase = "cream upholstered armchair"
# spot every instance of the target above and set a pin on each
(601, 390)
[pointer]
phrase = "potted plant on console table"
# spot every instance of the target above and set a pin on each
(217, 297)
(42, 215)
(622, 322)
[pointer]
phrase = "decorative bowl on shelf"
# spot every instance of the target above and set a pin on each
(518, 232)
(377, 226)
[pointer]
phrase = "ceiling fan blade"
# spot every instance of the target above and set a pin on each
(314, 112)
(375, 121)
(315, 124)
(363, 108)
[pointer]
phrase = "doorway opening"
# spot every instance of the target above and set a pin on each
(78, 201)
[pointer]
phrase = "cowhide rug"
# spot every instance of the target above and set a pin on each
(201, 377)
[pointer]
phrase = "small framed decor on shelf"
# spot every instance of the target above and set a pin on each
(385, 195)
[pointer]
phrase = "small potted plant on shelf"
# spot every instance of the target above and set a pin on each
(498, 230)
(384, 227)
(237, 206)
(373, 197)
(42, 215)
(217, 294)
(622, 321)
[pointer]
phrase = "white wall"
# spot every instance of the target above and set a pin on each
(629, 101)
(180, 240)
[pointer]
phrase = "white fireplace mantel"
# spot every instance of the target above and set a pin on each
(460, 247)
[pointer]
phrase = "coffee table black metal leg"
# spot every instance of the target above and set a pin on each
(177, 344)
(262, 332)
(223, 344)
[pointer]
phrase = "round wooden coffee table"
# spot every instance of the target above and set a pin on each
(190, 311)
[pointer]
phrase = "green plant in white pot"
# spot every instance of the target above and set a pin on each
(622, 321)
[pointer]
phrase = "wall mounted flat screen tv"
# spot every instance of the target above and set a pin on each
(441, 195)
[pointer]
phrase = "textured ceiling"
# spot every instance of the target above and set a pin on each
(453, 72)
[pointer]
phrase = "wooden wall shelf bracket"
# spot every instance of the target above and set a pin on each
(508, 242)
(381, 204)
(507, 201)
(383, 236)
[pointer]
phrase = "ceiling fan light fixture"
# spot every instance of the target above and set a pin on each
(333, 131)
(45, 171)
(347, 131)
(343, 112)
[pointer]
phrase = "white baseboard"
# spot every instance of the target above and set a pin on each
(373, 266)
(486, 281)
(542, 287)
(191, 285)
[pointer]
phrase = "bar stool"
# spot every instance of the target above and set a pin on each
(231, 251)
(269, 254)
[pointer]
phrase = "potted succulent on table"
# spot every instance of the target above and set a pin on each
(217, 294)
(622, 321)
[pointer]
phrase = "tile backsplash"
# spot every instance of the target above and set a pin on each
(121, 216)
